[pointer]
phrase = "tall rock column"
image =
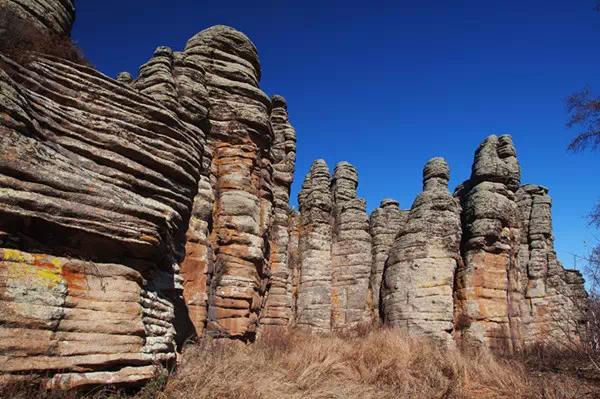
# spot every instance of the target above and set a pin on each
(488, 294)
(278, 307)
(384, 225)
(554, 304)
(417, 288)
(313, 303)
(177, 81)
(240, 139)
(351, 250)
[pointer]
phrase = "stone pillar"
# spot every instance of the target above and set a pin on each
(314, 289)
(417, 288)
(488, 294)
(384, 225)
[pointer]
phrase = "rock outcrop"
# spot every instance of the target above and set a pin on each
(334, 250)
(97, 182)
(554, 298)
(488, 291)
(418, 279)
(277, 310)
(384, 224)
(313, 303)
(350, 251)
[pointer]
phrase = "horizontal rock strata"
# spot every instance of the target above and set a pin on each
(488, 291)
(277, 310)
(315, 233)
(417, 287)
(554, 298)
(384, 224)
(350, 251)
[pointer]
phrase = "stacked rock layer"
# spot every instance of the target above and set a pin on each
(418, 280)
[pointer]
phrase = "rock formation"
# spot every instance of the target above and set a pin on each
(136, 213)
(278, 306)
(350, 251)
(97, 185)
(417, 287)
(384, 225)
(488, 291)
(554, 298)
(313, 303)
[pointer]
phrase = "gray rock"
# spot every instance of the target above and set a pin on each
(417, 287)
(384, 224)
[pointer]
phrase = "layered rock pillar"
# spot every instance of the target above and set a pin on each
(417, 286)
(384, 224)
(313, 303)
(488, 292)
(350, 251)
(277, 312)
(554, 298)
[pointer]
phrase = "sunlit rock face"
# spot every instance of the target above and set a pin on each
(384, 224)
(278, 304)
(418, 279)
(554, 297)
(488, 291)
(313, 303)
(97, 183)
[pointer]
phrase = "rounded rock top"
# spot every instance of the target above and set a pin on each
(389, 202)
(228, 40)
(436, 168)
(278, 101)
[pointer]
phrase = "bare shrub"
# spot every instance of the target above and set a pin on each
(20, 40)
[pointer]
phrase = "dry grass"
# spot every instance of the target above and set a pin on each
(364, 363)
(379, 364)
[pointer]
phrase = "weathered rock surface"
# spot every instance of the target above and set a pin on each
(97, 172)
(554, 298)
(241, 174)
(384, 224)
(277, 310)
(350, 251)
(313, 303)
(488, 291)
(417, 287)
(55, 16)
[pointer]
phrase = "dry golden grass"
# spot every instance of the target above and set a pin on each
(364, 363)
(378, 364)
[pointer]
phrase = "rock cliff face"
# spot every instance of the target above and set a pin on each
(97, 185)
(418, 279)
(136, 213)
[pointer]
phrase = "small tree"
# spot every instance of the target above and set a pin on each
(584, 110)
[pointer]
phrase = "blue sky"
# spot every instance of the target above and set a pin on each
(386, 85)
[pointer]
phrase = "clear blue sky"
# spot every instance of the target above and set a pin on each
(387, 85)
